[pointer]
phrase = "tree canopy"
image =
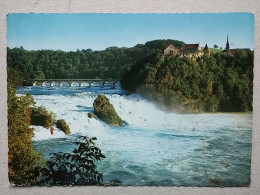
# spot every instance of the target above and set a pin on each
(109, 63)
(220, 82)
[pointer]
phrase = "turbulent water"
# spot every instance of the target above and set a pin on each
(155, 148)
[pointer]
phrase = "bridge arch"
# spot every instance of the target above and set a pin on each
(74, 82)
(65, 83)
(55, 83)
(111, 83)
(37, 83)
(106, 83)
(95, 84)
(46, 83)
(84, 83)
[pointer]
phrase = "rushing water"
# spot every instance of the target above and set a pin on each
(155, 148)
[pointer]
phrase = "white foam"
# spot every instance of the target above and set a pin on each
(41, 133)
(136, 111)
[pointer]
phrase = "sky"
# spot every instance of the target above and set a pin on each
(69, 32)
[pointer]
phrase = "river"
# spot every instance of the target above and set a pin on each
(155, 148)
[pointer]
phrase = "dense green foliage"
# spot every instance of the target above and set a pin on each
(76, 168)
(42, 117)
(14, 77)
(106, 111)
(220, 82)
(24, 163)
(109, 63)
(62, 125)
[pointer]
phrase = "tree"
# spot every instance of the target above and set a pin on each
(76, 168)
(215, 46)
(24, 164)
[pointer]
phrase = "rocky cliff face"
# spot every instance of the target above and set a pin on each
(105, 111)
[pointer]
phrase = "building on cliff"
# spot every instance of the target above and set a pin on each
(195, 51)
(206, 50)
(189, 50)
(233, 51)
(170, 50)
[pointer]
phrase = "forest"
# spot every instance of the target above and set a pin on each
(218, 82)
(82, 64)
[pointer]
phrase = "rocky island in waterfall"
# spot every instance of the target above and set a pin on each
(106, 111)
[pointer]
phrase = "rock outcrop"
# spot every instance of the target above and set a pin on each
(63, 126)
(106, 112)
(91, 115)
(51, 130)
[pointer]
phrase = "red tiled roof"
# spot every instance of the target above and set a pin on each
(191, 45)
(233, 51)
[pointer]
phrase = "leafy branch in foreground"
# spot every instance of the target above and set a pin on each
(76, 168)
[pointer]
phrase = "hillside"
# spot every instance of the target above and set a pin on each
(219, 83)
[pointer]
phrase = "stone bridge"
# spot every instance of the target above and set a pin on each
(71, 82)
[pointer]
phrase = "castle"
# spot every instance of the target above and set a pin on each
(189, 50)
(194, 50)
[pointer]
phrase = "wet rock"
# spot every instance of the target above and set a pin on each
(51, 130)
(105, 111)
(91, 115)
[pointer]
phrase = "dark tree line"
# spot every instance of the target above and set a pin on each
(220, 82)
(109, 63)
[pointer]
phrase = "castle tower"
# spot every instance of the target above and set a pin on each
(206, 50)
(227, 45)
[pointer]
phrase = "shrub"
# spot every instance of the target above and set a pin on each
(76, 168)
(42, 117)
(62, 125)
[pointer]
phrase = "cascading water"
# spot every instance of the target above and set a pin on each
(155, 148)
